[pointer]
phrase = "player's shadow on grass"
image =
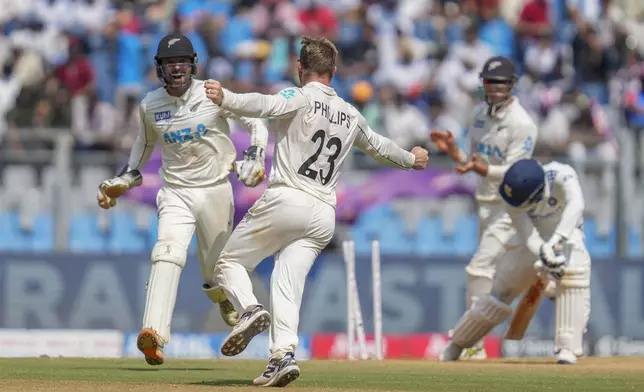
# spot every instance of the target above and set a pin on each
(161, 369)
(223, 383)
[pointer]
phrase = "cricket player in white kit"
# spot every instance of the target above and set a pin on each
(295, 217)
(197, 157)
(546, 207)
(501, 133)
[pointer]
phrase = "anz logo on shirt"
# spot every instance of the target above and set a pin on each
(489, 150)
(184, 135)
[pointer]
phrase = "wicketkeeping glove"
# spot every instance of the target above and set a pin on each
(112, 189)
(251, 170)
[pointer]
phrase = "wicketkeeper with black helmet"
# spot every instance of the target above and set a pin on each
(500, 134)
(546, 206)
(197, 157)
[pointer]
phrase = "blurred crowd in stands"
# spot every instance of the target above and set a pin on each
(409, 65)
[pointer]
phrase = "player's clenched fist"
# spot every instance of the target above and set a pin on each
(422, 158)
(112, 189)
(214, 92)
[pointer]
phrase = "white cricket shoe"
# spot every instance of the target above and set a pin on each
(254, 321)
(451, 352)
(279, 372)
(566, 357)
(474, 354)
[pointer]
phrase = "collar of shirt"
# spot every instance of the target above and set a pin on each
(326, 89)
(501, 113)
(182, 100)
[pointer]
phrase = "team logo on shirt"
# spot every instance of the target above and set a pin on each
(489, 150)
(184, 135)
(508, 190)
(288, 93)
(479, 123)
(552, 201)
(160, 116)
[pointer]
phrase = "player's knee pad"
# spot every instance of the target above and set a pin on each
(572, 310)
(170, 252)
(477, 287)
(485, 314)
(482, 264)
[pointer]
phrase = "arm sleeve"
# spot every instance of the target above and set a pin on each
(521, 147)
(380, 148)
(284, 104)
(526, 230)
(256, 128)
(574, 209)
(143, 144)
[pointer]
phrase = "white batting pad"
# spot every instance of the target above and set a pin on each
(572, 310)
(486, 313)
(161, 297)
(171, 252)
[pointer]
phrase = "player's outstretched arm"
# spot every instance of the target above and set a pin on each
(252, 170)
(574, 209)
(130, 177)
(386, 151)
(281, 105)
(446, 143)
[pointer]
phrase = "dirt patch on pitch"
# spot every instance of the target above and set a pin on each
(585, 365)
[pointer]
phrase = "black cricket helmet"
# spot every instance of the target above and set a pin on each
(499, 75)
(175, 74)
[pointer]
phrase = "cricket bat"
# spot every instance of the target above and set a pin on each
(525, 311)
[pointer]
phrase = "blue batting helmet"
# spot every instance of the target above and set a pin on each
(523, 182)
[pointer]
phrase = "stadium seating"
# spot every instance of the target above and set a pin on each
(449, 229)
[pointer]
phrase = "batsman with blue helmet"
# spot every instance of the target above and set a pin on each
(545, 204)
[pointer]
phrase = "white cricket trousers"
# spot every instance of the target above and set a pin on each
(295, 227)
(208, 211)
(495, 231)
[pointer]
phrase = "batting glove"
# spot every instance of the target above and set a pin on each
(551, 261)
(112, 189)
(251, 171)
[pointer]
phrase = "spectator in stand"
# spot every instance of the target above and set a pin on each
(633, 102)
(77, 77)
(594, 64)
(95, 128)
(496, 32)
(534, 22)
(317, 19)
(592, 139)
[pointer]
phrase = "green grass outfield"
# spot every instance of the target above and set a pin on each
(124, 375)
